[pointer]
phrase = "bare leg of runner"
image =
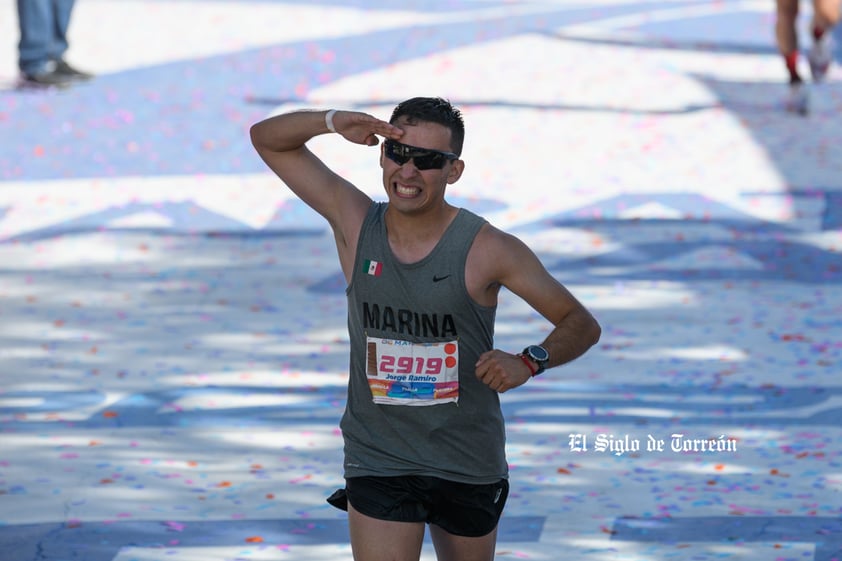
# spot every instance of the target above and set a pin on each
(460, 548)
(381, 540)
(786, 34)
(826, 13)
(825, 17)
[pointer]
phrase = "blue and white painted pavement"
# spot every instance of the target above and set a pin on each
(172, 321)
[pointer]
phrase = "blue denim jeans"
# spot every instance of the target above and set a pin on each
(43, 32)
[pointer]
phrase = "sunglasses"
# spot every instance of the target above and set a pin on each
(423, 158)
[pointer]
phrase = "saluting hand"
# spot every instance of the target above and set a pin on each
(362, 128)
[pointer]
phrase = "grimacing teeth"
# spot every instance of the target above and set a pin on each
(405, 190)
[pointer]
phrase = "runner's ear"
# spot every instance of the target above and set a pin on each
(456, 169)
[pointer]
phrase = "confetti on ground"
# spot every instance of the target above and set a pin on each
(173, 352)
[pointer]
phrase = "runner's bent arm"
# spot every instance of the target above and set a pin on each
(280, 142)
(575, 329)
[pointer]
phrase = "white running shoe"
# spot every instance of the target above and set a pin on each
(798, 99)
(820, 57)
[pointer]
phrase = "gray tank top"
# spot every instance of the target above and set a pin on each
(415, 406)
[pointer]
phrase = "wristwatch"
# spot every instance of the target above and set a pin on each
(538, 355)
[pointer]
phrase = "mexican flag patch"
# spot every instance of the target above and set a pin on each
(373, 268)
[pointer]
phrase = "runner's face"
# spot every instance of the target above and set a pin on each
(410, 189)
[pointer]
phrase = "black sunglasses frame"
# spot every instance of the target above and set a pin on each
(422, 158)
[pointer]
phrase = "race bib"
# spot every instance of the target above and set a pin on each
(405, 373)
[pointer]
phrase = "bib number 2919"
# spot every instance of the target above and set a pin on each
(400, 372)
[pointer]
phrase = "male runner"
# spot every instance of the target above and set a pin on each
(423, 429)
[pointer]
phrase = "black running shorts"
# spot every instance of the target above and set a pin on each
(461, 509)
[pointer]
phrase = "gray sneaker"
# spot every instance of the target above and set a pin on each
(820, 57)
(48, 77)
(798, 99)
(63, 68)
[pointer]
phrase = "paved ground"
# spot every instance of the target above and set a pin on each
(172, 342)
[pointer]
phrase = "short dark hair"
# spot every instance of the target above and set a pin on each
(433, 110)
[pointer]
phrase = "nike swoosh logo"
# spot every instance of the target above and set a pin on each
(439, 279)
